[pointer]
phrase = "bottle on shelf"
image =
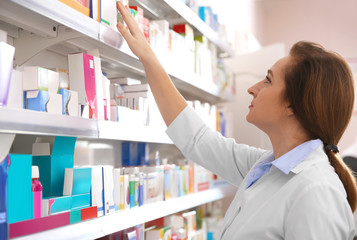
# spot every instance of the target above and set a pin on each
(37, 192)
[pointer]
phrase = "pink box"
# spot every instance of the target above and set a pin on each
(82, 80)
(38, 224)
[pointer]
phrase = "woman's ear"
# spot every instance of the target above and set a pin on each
(289, 111)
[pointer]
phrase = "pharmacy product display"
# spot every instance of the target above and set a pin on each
(73, 79)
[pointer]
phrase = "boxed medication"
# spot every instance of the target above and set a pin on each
(83, 80)
(52, 167)
(20, 196)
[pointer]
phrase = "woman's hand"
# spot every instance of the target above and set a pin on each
(133, 35)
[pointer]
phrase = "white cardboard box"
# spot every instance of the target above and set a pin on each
(54, 104)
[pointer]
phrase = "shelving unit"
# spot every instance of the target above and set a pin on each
(103, 226)
(177, 12)
(57, 28)
(67, 31)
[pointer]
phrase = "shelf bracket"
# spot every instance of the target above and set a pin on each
(29, 45)
(6, 140)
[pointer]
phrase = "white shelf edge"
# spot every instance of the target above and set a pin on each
(43, 123)
(118, 221)
(62, 14)
(138, 133)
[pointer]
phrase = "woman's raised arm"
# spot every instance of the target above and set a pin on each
(169, 101)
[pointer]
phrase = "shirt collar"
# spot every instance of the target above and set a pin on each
(295, 156)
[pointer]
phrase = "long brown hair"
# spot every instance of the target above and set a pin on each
(320, 90)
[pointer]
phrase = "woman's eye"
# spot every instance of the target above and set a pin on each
(267, 79)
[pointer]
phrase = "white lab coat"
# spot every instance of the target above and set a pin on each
(308, 203)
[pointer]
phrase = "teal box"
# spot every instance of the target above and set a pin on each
(81, 201)
(52, 168)
(75, 216)
(77, 181)
(53, 205)
(20, 196)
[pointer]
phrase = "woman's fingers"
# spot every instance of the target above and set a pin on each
(125, 32)
(128, 19)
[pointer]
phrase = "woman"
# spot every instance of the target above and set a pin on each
(304, 105)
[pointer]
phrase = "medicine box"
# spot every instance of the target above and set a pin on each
(77, 181)
(108, 186)
(3, 196)
(80, 201)
(97, 189)
(161, 233)
(117, 190)
(83, 81)
(51, 205)
(38, 78)
(54, 104)
(73, 106)
(65, 98)
(20, 196)
(36, 100)
(52, 167)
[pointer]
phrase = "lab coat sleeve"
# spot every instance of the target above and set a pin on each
(319, 212)
(210, 149)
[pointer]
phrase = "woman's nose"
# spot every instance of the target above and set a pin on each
(251, 90)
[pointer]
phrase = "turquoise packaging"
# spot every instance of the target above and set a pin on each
(75, 216)
(3, 198)
(56, 204)
(52, 167)
(65, 98)
(37, 103)
(20, 196)
(80, 201)
(82, 179)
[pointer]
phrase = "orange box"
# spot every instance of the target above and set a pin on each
(75, 5)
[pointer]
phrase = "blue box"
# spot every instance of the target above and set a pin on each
(52, 168)
(80, 201)
(3, 198)
(36, 100)
(20, 196)
(134, 154)
(65, 98)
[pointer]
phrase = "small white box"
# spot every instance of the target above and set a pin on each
(108, 185)
(54, 104)
(97, 189)
(16, 94)
(117, 190)
(38, 78)
(72, 106)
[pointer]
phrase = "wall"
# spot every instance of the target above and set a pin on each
(329, 22)
(249, 69)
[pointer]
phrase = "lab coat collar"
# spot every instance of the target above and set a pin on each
(317, 156)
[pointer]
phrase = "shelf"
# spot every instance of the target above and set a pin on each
(103, 226)
(177, 12)
(21, 121)
(139, 133)
(52, 21)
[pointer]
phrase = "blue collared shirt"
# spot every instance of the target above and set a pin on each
(284, 163)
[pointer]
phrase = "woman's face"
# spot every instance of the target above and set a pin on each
(268, 108)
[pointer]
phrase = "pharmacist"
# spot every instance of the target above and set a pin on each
(301, 189)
